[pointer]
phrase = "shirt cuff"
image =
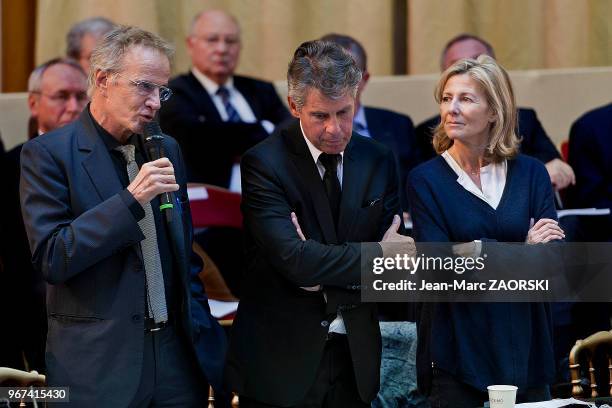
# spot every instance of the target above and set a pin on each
(134, 206)
(267, 125)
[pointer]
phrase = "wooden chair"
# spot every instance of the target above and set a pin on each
(18, 378)
(213, 206)
(586, 349)
(211, 277)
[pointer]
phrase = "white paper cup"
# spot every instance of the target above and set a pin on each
(502, 396)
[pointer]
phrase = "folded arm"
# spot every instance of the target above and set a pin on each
(267, 219)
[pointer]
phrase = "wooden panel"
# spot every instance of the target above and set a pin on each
(18, 28)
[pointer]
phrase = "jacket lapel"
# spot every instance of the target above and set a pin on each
(351, 190)
(378, 129)
(309, 174)
(176, 228)
(249, 95)
(97, 161)
(203, 100)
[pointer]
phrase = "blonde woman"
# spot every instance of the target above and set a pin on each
(481, 188)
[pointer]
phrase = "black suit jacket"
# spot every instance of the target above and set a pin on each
(590, 155)
(25, 285)
(535, 143)
(395, 131)
(85, 241)
(280, 330)
(20, 261)
(212, 146)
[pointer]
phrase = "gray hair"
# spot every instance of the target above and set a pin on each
(108, 54)
(96, 26)
(324, 66)
(351, 45)
(35, 79)
(464, 37)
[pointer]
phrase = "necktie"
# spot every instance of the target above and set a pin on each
(232, 114)
(332, 184)
(156, 295)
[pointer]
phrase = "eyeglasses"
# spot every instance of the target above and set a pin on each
(146, 88)
(64, 96)
(215, 39)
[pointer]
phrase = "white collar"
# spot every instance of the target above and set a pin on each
(360, 117)
(313, 150)
(211, 86)
(492, 180)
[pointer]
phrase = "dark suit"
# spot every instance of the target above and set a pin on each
(28, 324)
(395, 131)
(535, 142)
(212, 146)
(590, 155)
(85, 240)
(280, 330)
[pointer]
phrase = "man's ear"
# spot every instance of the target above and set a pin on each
(293, 107)
(33, 101)
(102, 80)
(189, 43)
(365, 77)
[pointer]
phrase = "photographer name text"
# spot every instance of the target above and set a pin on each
(511, 285)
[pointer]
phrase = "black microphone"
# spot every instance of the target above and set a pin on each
(153, 144)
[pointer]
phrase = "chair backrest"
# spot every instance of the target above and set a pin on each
(565, 150)
(14, 377)
(586, 349)
(213, 206)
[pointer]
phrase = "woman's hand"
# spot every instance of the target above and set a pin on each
(545, 230)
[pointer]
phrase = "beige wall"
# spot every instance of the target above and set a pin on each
(558, 96)
(272, 29)
(527, 34)
(14, 115)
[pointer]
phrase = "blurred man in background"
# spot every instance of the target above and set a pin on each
(535, 142)
(57, 93)
(83, 37)
(216, 115)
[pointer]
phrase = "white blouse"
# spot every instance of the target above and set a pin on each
(492, 180)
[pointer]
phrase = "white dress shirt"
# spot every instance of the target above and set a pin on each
(237, 100)
(337, 325)
(235, 97)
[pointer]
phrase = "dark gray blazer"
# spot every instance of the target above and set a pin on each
(84, 240)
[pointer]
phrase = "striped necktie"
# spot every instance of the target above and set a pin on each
(156, 294)
(232, 113)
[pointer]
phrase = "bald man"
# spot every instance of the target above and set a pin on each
(535, 142)
(214, 114)
(57, 93)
